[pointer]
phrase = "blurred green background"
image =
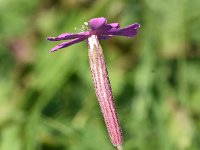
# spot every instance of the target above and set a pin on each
(47, 101)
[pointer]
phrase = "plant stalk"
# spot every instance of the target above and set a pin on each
(103, 90)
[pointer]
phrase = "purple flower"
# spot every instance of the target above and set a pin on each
(98, 27)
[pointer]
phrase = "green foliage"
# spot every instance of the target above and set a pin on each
(47, 101)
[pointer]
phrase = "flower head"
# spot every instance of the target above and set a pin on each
(98, 27)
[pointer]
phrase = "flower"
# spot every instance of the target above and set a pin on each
(98, 27)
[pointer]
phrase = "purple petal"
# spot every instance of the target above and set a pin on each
(97, 23)
(128, 31)
(66, 44)
(68, 36)
(100, 25)
(108, 27)
(104, 37)
(115, 25)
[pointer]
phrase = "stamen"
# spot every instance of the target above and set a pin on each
(86, 23)
(83, 28)
(79, 30)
